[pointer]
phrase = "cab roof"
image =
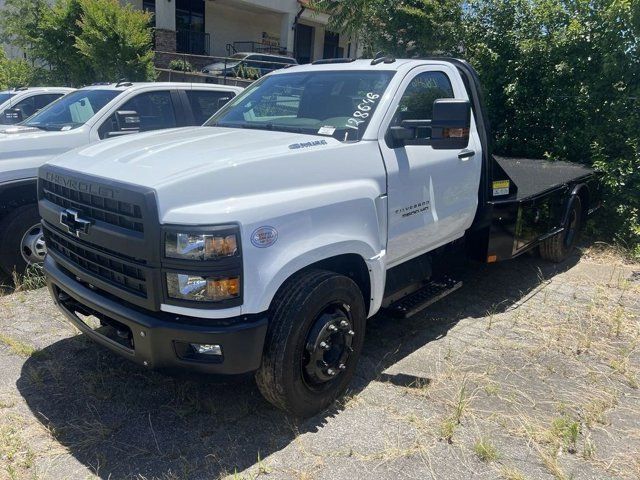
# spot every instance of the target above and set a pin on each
(122, 86)
(363, 64)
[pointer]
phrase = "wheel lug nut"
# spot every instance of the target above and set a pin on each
(342, 366)
(351, 333)
(333, 328)
(324, 346)
(331, 372)
(344, 324)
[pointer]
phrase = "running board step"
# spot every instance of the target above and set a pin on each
(421, 299)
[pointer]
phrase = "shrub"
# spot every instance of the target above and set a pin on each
(181, 65)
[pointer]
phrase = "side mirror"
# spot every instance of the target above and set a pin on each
(410, 132)
(450, 124)
(127, 121)
(223, 101)
(13, 116)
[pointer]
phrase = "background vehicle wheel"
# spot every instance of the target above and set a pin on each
(559, 247)
(21, 239)
(315, 336)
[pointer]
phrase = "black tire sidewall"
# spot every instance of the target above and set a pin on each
(12, 229)
(576, 206)
(335, 289)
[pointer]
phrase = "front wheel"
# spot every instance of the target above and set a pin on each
(21, 239)
(314, 340)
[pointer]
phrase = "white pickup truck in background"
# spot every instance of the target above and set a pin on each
(262, 241)
(18, 104)
(84, 116)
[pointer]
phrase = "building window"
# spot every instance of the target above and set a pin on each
(304, 43)
(332, 47)
(190, 29)
(150, 7)
(190, 15)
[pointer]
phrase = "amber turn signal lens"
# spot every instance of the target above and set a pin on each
(223, 288)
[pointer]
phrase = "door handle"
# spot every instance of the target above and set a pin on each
(466, 153)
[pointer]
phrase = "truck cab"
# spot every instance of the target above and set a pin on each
(91, 114)
(319, 196)
(20, 103)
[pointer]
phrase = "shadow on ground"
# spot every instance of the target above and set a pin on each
(121, 421)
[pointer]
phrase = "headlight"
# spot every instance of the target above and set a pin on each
(200, 289)
(196, 246)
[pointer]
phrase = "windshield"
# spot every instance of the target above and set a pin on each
(338, 104)
(5, 96)
(72, 110)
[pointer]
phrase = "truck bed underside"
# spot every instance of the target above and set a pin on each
(535, 176)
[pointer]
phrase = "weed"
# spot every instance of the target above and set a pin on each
(485, 450)
(18, 347)
(566, 431)
(511, 473)
(32, 279)
(447, 429)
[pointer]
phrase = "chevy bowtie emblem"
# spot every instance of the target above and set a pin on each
(76, 226)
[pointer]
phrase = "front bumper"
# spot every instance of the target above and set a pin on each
(159, 340)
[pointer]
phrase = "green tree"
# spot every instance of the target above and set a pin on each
(76, 42)
(403, 28)
(115, 40)
(562, 80)
(14, 72)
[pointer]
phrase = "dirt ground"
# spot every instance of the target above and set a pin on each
(531, 370)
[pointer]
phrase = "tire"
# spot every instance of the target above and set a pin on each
(557, 248)
(305, 303)
(21, 242)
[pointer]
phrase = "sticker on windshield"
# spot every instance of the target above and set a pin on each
(362, 113)
(327, 130)
(65, 128)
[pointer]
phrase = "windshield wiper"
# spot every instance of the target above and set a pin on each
(260, 126)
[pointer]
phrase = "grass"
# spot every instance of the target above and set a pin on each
(485, 450)
(32, 279)
(565, 431)
(18, 347)
(15, 455)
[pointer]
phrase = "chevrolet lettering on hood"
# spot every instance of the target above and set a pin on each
(80, 186)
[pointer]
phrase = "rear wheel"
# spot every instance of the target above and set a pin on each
(21, 239)
(559, 247)
(315, 337)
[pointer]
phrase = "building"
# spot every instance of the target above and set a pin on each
(221, 28)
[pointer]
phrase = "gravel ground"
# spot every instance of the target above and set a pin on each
(531, 370)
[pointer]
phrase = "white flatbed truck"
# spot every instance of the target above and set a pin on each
(262, 241)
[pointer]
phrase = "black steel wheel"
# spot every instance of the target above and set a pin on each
(313, 343)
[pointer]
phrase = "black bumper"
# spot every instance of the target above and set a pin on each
(152, 340)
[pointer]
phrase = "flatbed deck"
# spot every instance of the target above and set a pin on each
(536, 176)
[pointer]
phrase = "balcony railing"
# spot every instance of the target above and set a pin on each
(256, 47)
(195, 43)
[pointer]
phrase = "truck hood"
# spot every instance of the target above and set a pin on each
(214, 171)
(159, 159)
(26, 148)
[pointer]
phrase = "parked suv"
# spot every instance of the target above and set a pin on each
(19, 104)
(264, 62)
(89, 114)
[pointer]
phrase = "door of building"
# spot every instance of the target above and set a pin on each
(304, 43)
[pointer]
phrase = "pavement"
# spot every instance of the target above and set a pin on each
(530, 370)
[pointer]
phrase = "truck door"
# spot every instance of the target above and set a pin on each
(432, 194)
